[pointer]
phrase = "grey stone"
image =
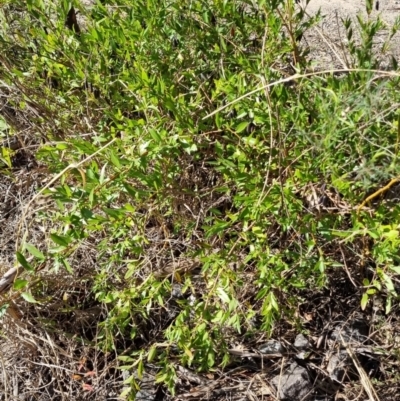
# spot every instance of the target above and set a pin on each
(354, 332)
(271, 347)
(337, 364)
(176, 291)
(303, 355)
(148, 386)
(144, 395)
(301, 342)
(294, 384)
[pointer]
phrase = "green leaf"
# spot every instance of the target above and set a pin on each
(396, 269)
(91, 175)
(3, 310)
(242, 126)
(34, 251)
(131, 191)
(60, 240)
(368, 6)
(67, 265)
(273, 301)
(3, 125)
(374, 234)
(114, 159)
(20, 283)
(320, 265)
(223, 295)
(91, 196)
(154, 134)
(125, 358)
(388, 306)
(391, 235)
(23, 262)
(377, 284)
(364, 301)
(152, 354)
(140, 369)
(116, 213)
(388, 282)
(211, 358)
(29, 298)
(6, 156)
(127, 390)
(102, 176)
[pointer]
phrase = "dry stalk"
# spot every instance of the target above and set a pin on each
(366, 383)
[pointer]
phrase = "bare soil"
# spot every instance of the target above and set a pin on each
(327, 41)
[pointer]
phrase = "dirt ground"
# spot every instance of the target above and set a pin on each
(327, 42)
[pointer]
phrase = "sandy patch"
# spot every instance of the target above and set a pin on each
(328, 40)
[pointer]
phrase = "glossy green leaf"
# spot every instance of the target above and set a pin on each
(23, 262)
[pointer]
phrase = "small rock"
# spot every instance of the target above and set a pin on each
(144, 395)
(148, 386)
(355, 332)
(294, 384)
(176, 291)
(271, 347)
(303, 355)
(301, 342)
(336, 365)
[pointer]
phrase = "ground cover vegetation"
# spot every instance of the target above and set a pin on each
(178, 182)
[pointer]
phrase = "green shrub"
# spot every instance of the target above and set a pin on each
(171, 150)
